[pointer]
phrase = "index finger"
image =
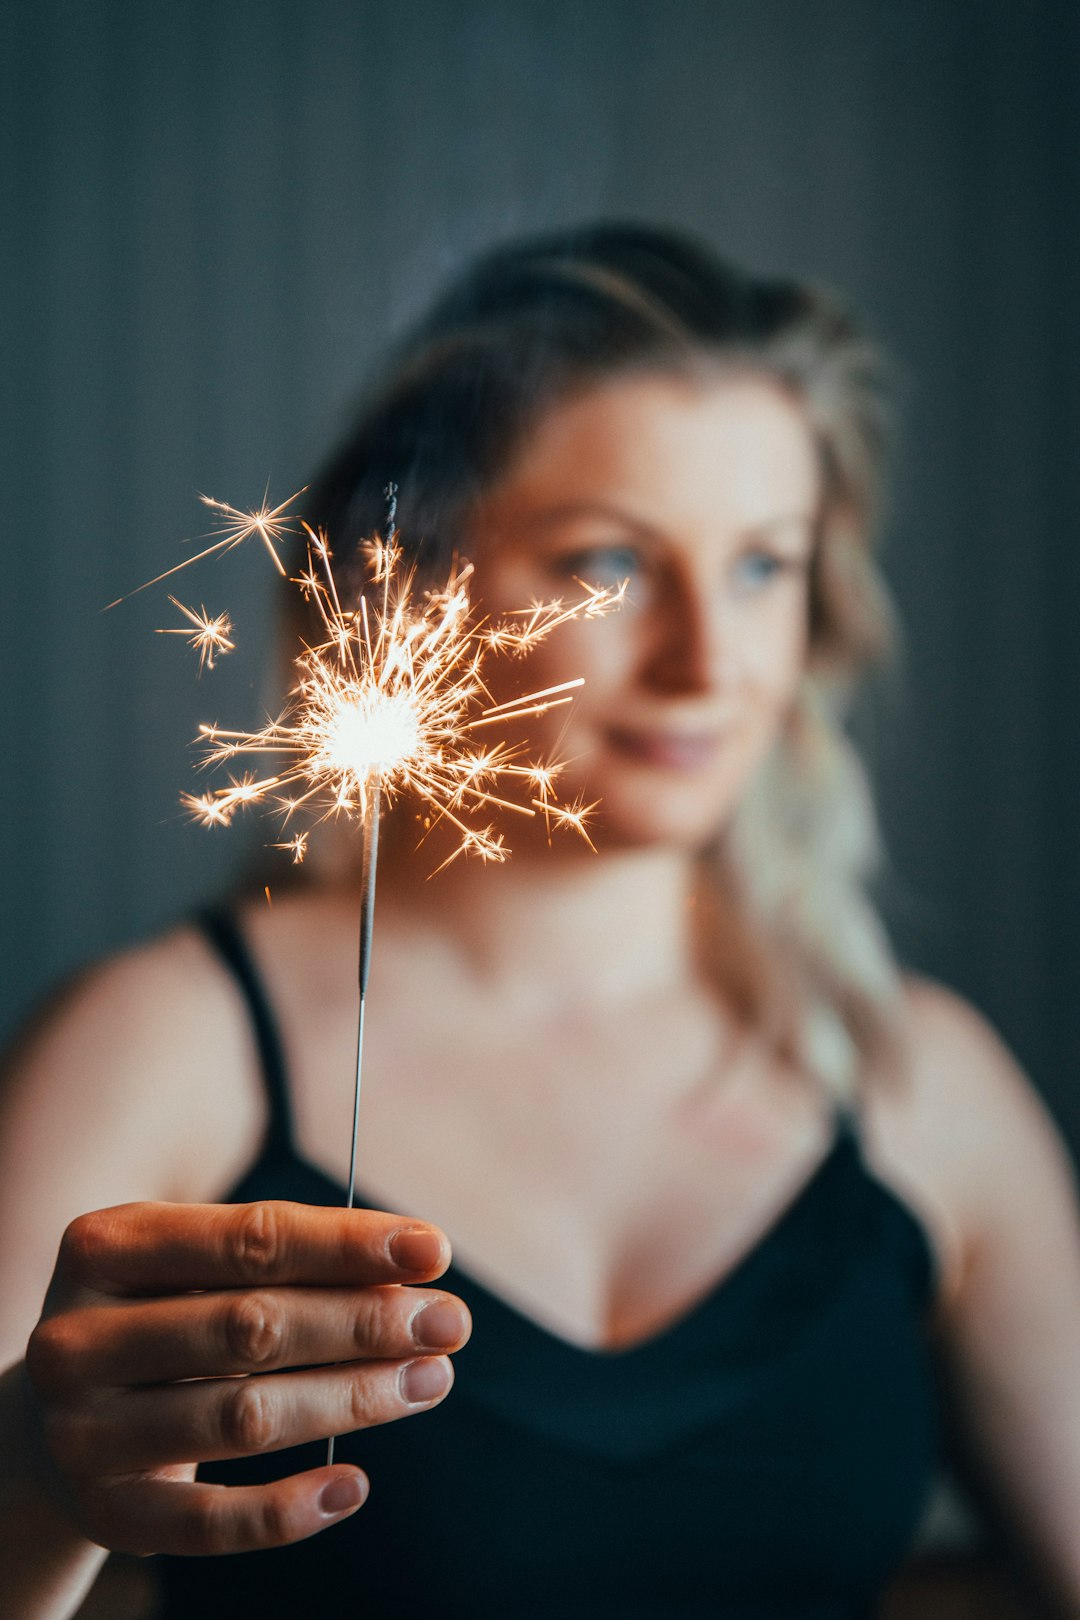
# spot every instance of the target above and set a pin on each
(173, 1248)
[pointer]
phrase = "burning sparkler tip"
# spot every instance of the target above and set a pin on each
(389, 700)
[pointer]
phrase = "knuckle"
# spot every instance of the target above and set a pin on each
(83, 1241)
(52, 1356)
(212, 1525)
(255, 1330)
(273, 1523)
(366, 1402)
(377, 1323)
(248, 1419)
(255, 1239)
(207, 1526)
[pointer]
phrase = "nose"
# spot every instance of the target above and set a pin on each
(692, 645)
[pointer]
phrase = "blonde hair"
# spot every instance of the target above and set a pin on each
(804, 843)
(533, 322)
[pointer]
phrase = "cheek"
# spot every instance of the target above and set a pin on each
(597, 652)
(774, 653)
(564, 731)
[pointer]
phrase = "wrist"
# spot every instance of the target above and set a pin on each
(46, 1564)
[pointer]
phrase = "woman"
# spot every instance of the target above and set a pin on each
(725, 1191)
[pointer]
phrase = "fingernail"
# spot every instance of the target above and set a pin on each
(438, 1326)
(416, 1248)
(343, 1494)
(423, 1381)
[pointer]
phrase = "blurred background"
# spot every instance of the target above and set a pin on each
(216, 212)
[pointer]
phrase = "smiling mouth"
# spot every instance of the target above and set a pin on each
(672, 750)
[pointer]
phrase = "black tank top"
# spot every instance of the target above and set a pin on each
(767, 1457)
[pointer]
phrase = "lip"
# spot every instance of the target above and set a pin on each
(671, 750)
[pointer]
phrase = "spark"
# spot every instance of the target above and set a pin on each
(542, 618)
(387, 698)
(210, 636)
(569, 816)
(208, 808)
(296, 846)
(271, 524)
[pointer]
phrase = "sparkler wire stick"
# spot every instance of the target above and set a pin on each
(368, 871)
(367, 919)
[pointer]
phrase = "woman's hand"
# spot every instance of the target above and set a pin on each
(172, 1334)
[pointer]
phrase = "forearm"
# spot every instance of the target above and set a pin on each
(46, 1567)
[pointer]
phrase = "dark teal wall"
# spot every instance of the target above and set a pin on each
(214, 213)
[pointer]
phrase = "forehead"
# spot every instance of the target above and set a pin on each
(737, 448)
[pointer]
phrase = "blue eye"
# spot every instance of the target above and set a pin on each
(757, 568)
(603, 565)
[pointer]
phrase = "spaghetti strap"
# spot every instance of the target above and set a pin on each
(223, 933)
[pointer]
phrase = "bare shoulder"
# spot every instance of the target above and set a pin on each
(966, 1084)
(963, 1128)
(127, 1078)
(144, 994)
(950, 1037)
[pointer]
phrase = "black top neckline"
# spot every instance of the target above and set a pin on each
(844, 1155)
(841, 1155)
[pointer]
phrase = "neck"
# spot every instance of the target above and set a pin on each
(569, 923)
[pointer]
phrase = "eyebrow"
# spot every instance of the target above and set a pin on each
(788, 520)
(552, 516)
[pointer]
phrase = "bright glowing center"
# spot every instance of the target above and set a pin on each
(371, 731)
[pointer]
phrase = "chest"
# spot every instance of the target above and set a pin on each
(599, 1172)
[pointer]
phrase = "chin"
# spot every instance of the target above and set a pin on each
(660, 821)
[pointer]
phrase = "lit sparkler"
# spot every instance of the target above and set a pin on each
(390, 699)
(393, 692)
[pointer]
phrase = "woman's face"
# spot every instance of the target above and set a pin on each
(703, 496)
